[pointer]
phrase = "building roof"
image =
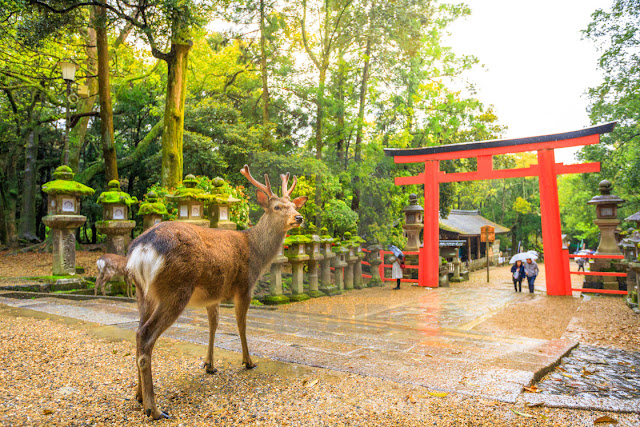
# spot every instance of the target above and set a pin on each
(468, 223)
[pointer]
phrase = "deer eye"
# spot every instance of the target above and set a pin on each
(276, 208)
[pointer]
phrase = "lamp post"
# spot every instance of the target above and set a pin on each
(69, 75)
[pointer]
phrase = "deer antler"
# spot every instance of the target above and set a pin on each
(264, 188)
(285, 181)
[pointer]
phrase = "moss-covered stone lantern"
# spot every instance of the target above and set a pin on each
(151, 210)
(358, 283)
(326, 241)
(374, 260)
(276, 296)
(351, 258)
(115, 218)
(339, 263)
(220, 206)
(191, 202)
(63, 208)
(313, 250)
(296, 253)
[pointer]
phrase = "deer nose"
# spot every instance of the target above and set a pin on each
(299, 219)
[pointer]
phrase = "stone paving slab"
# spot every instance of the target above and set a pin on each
(400, 345)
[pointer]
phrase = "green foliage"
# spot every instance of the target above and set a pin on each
(339, 218)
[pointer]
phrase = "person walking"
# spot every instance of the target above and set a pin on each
(517, 270)
(581, 262)
(531, 270)
(396, 270)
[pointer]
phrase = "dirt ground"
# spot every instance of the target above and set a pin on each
(63, 372)
(30, 264)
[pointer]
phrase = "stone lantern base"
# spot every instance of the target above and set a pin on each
(149, 220)
(199, 222)
(117, 232)
(63, 241)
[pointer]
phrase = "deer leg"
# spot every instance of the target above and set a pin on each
(212, 311)
(107, 278)
(163, 316)
(145, 312)
(99, 280)
(242, 306)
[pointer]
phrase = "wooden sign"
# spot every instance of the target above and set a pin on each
(487, 231)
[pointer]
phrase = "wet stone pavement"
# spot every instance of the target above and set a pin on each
(426, 341)
(595, 372)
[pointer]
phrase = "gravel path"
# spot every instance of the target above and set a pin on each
(62, 372)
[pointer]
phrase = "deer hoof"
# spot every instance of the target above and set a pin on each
(249, 365)
(139, 398)
(157, 414)
(210, 369)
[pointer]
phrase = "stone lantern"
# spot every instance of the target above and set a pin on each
(63, 217)
(607, 221)
(339, 263)
(313, 250)
(358, 283)
(375, 261)
(151, 210)
(297, 257)
(276, 295)
(325, 264)
(413, 223)
(220, 206)
(351, 259)
(635, 218)
(115, 217)
(190, 202)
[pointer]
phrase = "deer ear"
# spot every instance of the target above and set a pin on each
(300, 201)
(263, 199)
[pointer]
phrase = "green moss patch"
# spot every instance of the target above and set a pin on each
(316, 294)
(276, 299)
(158, 208)
(299, 297)
(63, 186)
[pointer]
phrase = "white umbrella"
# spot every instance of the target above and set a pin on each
(523, 256)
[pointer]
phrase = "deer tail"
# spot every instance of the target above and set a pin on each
(143, 265)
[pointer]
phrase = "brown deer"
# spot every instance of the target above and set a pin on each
(175, 264)
(110, 266)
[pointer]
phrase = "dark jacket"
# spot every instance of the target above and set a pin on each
(513, 270)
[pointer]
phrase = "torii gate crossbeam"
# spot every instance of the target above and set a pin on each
(547, 170)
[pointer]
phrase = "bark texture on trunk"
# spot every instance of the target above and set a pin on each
(104, 90)
(85, 104)
(265, 77)
(173, 128)
(27, 226)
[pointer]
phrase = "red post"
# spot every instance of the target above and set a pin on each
(430, 252)
(551, 228)
(567, 271)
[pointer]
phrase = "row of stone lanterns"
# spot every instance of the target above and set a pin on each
(320, 254)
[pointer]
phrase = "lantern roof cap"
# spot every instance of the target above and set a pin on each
(115, 196)
(152, 206)
(605, 196)
(64, 184)
(413, 204)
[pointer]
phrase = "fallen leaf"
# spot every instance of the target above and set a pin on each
(560, 368)
(411, 399)
(47, 412)
(522, 414)
(532, 389)
(428, 355)
(127, 354)
(438, 393)
(567, 375)
(605, 419)
(310, 383)
(456, 352)
(624, 363)
(534, 405)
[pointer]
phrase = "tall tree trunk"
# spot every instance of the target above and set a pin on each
(355, 201)
(27, 226)
(319, 118)
(10, 201)
(85, 105)
(340, 144)
(265, 78)
(173, 128)
(104, 90)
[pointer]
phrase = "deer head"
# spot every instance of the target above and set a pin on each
(281, 212)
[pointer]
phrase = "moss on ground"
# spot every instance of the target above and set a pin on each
(276, 299)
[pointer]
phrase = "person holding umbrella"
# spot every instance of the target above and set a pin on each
(531, 270)
(397, 261)
(518, 275)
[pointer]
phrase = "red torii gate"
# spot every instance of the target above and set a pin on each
(547, 170)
